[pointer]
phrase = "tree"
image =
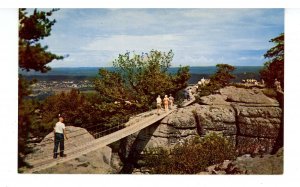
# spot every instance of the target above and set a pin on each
(32, 56)
(223, 75)
(140, 78)
(274, 67)
(32, 29)
(218, 80)
(70, 104)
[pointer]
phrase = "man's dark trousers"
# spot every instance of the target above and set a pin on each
(59, 139)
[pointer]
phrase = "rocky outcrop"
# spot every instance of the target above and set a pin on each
(250, 119)
(247, 96)
(247, 164)
(98, 161)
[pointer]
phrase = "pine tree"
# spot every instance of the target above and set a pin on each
(274, 67)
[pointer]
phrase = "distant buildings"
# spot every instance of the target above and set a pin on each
(45, 87)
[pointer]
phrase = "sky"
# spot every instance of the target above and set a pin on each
(198, 37)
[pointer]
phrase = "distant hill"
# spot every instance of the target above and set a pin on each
(80, 73)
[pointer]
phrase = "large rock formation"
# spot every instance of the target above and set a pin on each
(250, 119)
(246, 164)
(98, 161)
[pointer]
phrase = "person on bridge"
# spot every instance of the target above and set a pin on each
(171, 101)
(59, 135)
(158, 104)
(166, 103)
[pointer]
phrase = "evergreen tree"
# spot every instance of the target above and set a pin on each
(220, 79)
(223, 75)
(32, 29)
(32, 56)
(274, 67)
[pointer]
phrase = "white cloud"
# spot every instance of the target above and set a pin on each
(206, 36)
(123, 43)
(247, 58)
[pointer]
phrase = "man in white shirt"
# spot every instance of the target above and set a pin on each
(59, 135)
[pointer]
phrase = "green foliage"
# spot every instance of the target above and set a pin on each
(70, 104)
(218, 80)
(274, 67)
(223, 75)
(179, 99)
(207, 90)
(191, 157)
(32, 56)
(82, 110)
(27, 118)
(134, 85)
(32, 29)
(140, 78)
(23, 88)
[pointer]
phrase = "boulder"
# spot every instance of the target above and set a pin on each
(94, 162)
(266, 164)
(217, 118)
(182, 118)
(215, 99)
(250, 96)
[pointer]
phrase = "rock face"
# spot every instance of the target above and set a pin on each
(250, 120)
(246, 164)
(98, 161)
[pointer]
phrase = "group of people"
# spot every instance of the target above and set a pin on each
(252, 81)
(277, 83)
(167, 101)
(203, 82)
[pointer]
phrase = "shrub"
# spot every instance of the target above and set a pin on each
(191, 157)
(209, 89)
(179, 98)
(220, 79)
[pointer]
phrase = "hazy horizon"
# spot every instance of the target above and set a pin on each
(92, 71)
(170, 66)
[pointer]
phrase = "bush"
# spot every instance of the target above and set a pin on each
(191, 157)
(179, 98)
(208, 89)
(220, 79)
